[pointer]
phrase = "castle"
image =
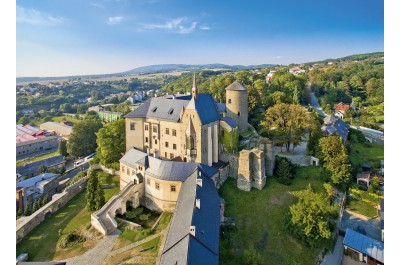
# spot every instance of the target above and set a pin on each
(172, 163)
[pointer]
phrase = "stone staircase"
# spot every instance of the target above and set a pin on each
(108, 225)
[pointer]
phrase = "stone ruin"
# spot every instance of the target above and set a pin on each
(255, 165)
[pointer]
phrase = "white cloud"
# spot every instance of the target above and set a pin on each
(204, 27)
(179, 25)
(114, 20)
(35, 17)
(97, 5)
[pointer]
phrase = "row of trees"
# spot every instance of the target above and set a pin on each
(37, 204)
(94, 193)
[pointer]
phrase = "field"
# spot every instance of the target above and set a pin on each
(366, 152)
(58, 119)
(260, 222)
(41, 243)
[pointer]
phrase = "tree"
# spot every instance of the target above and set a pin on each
(287, 122)
(45, 200)
(99, 196)
(283, 171)
(330, 191)
(42, 169)
(335, 158)
(82, 140)
(375, 183)
(310, 217)
(24, 120)
(91, 191)
(27, 211)
(36, 206)
(315, 134)
(111, 142)
(253, 100)
(62, 148)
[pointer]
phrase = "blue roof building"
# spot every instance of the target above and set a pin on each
(369, 250)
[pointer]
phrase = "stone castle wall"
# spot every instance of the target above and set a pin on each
(28, 223)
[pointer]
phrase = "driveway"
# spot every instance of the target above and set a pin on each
(371, 225)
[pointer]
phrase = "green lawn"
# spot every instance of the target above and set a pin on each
(41, 242)
(37, 158)
(58, 119)
(260, 221)
(365, 152)
(362, 202)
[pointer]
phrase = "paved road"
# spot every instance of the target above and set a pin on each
(375, 135)
(75, 171)
(371, 225)
(315, 104)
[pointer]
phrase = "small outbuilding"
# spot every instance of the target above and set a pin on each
(364, 248)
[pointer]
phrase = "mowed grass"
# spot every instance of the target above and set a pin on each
(41, 242)
(260, 221)
(366, 152)
(36, 158)
(363, 202)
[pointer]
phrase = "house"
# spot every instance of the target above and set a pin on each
(31, 139)
(57, 128)
(332, 125)
(363, 248)
(381, 216)
(339, 114)
(341, 106)
(32, 189)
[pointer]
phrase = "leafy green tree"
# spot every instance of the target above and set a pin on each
(330, 190)
(279, 97)
(82, 140)
(375, 183)
(99, 196)
(284, 171)
(287, 122)
(24, 120)
(36, 206)
(62, 148)
(335, 158)
(310, 217)
(111, 142)
(45, 200)
(91, 191)
(254, 100)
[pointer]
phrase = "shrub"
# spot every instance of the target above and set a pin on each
(70, 239)
(284, 171)
(134, 213)
(144, 217)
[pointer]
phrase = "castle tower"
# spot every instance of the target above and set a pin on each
(194, 88)
(237, 105)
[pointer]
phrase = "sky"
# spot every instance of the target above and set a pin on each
(76, 37)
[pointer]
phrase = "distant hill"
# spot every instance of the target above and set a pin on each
(151, 69)
(356, 57)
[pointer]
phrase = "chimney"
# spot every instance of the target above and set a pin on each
(192, 230)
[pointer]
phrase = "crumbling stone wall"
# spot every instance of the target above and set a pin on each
(251, 172)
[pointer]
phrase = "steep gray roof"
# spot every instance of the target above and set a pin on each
(180, 245)
(236, 86)
(164, 169)
(159, 108)
(34, 180)
(164, 108)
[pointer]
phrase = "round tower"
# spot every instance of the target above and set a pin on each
(237, 105)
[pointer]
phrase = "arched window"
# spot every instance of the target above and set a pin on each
(192, 143)
(239, 113)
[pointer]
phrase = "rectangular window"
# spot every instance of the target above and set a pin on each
(155, 141)
(132, 126)
(154, 129)
(173, 188)
(166, 144)
(174, 146)
(171, 156)
(157, 186)
(128, 171)
(147, 139)
(173, 132)
(148, 182)
(165, 154)
(167, 131)
(123, 169)
(146, 127)
(229, 101)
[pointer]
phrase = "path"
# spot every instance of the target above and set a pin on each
(135, 244)
(96, 255)
(315, 104)
(335, 258)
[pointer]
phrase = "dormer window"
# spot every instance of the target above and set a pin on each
(154, 109)
(170, 111)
